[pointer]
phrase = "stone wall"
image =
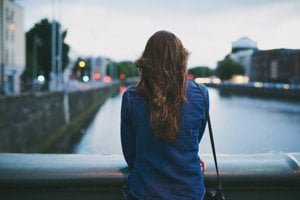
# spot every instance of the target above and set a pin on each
(47, 122)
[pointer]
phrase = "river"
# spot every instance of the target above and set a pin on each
(240, 125)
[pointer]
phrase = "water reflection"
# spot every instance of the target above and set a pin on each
(252, 125)
(240, 125)
(102, 136)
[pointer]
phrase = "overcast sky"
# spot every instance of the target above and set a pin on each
(119, 29)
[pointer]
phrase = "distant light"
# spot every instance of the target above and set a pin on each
(216, 80)
(202, 80)
(122, 88)
(191, 76)
(122, 76)
(240, 79)
(258, 84)
(97, 75)
(85, 78)
(81, 64)
(286, 86)
(41, 78)
(12, 27)
(107, 79)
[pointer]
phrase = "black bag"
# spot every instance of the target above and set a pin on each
(212, 194)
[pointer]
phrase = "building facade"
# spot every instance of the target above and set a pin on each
(242, 51)
(276, 65)
(244, 43)
(12, 40)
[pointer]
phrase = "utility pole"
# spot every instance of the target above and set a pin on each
(36, 43)
(2, 92)
(59, 64)
(56, 50)
(53, 51)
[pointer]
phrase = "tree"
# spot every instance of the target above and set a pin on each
(38, 51)
(201, 71)
(228, 67)
(127, 68)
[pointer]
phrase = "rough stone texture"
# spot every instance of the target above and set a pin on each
(37, 123)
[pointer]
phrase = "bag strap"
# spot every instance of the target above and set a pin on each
(210, 134)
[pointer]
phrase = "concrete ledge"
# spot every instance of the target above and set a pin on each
(273, 175)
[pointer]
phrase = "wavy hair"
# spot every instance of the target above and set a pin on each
(163, 67)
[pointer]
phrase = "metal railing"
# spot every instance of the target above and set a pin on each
(273, 175)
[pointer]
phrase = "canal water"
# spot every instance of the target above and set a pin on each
(240, 125)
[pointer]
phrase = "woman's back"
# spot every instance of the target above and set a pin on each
(163, 169)
(162, 123)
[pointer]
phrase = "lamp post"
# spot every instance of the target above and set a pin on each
(2, 92)
(53, 55)
(56, 49)
(36, 43)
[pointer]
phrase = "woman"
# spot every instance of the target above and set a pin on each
(162, 123)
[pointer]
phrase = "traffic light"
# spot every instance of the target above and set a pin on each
(81, 64)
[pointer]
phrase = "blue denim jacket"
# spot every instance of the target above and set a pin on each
(160, 169)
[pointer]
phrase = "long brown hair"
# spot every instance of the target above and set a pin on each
(163, 67)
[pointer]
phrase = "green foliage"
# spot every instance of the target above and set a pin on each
(38, 50)
(201, 71)
(114, 69)
(228, 67)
